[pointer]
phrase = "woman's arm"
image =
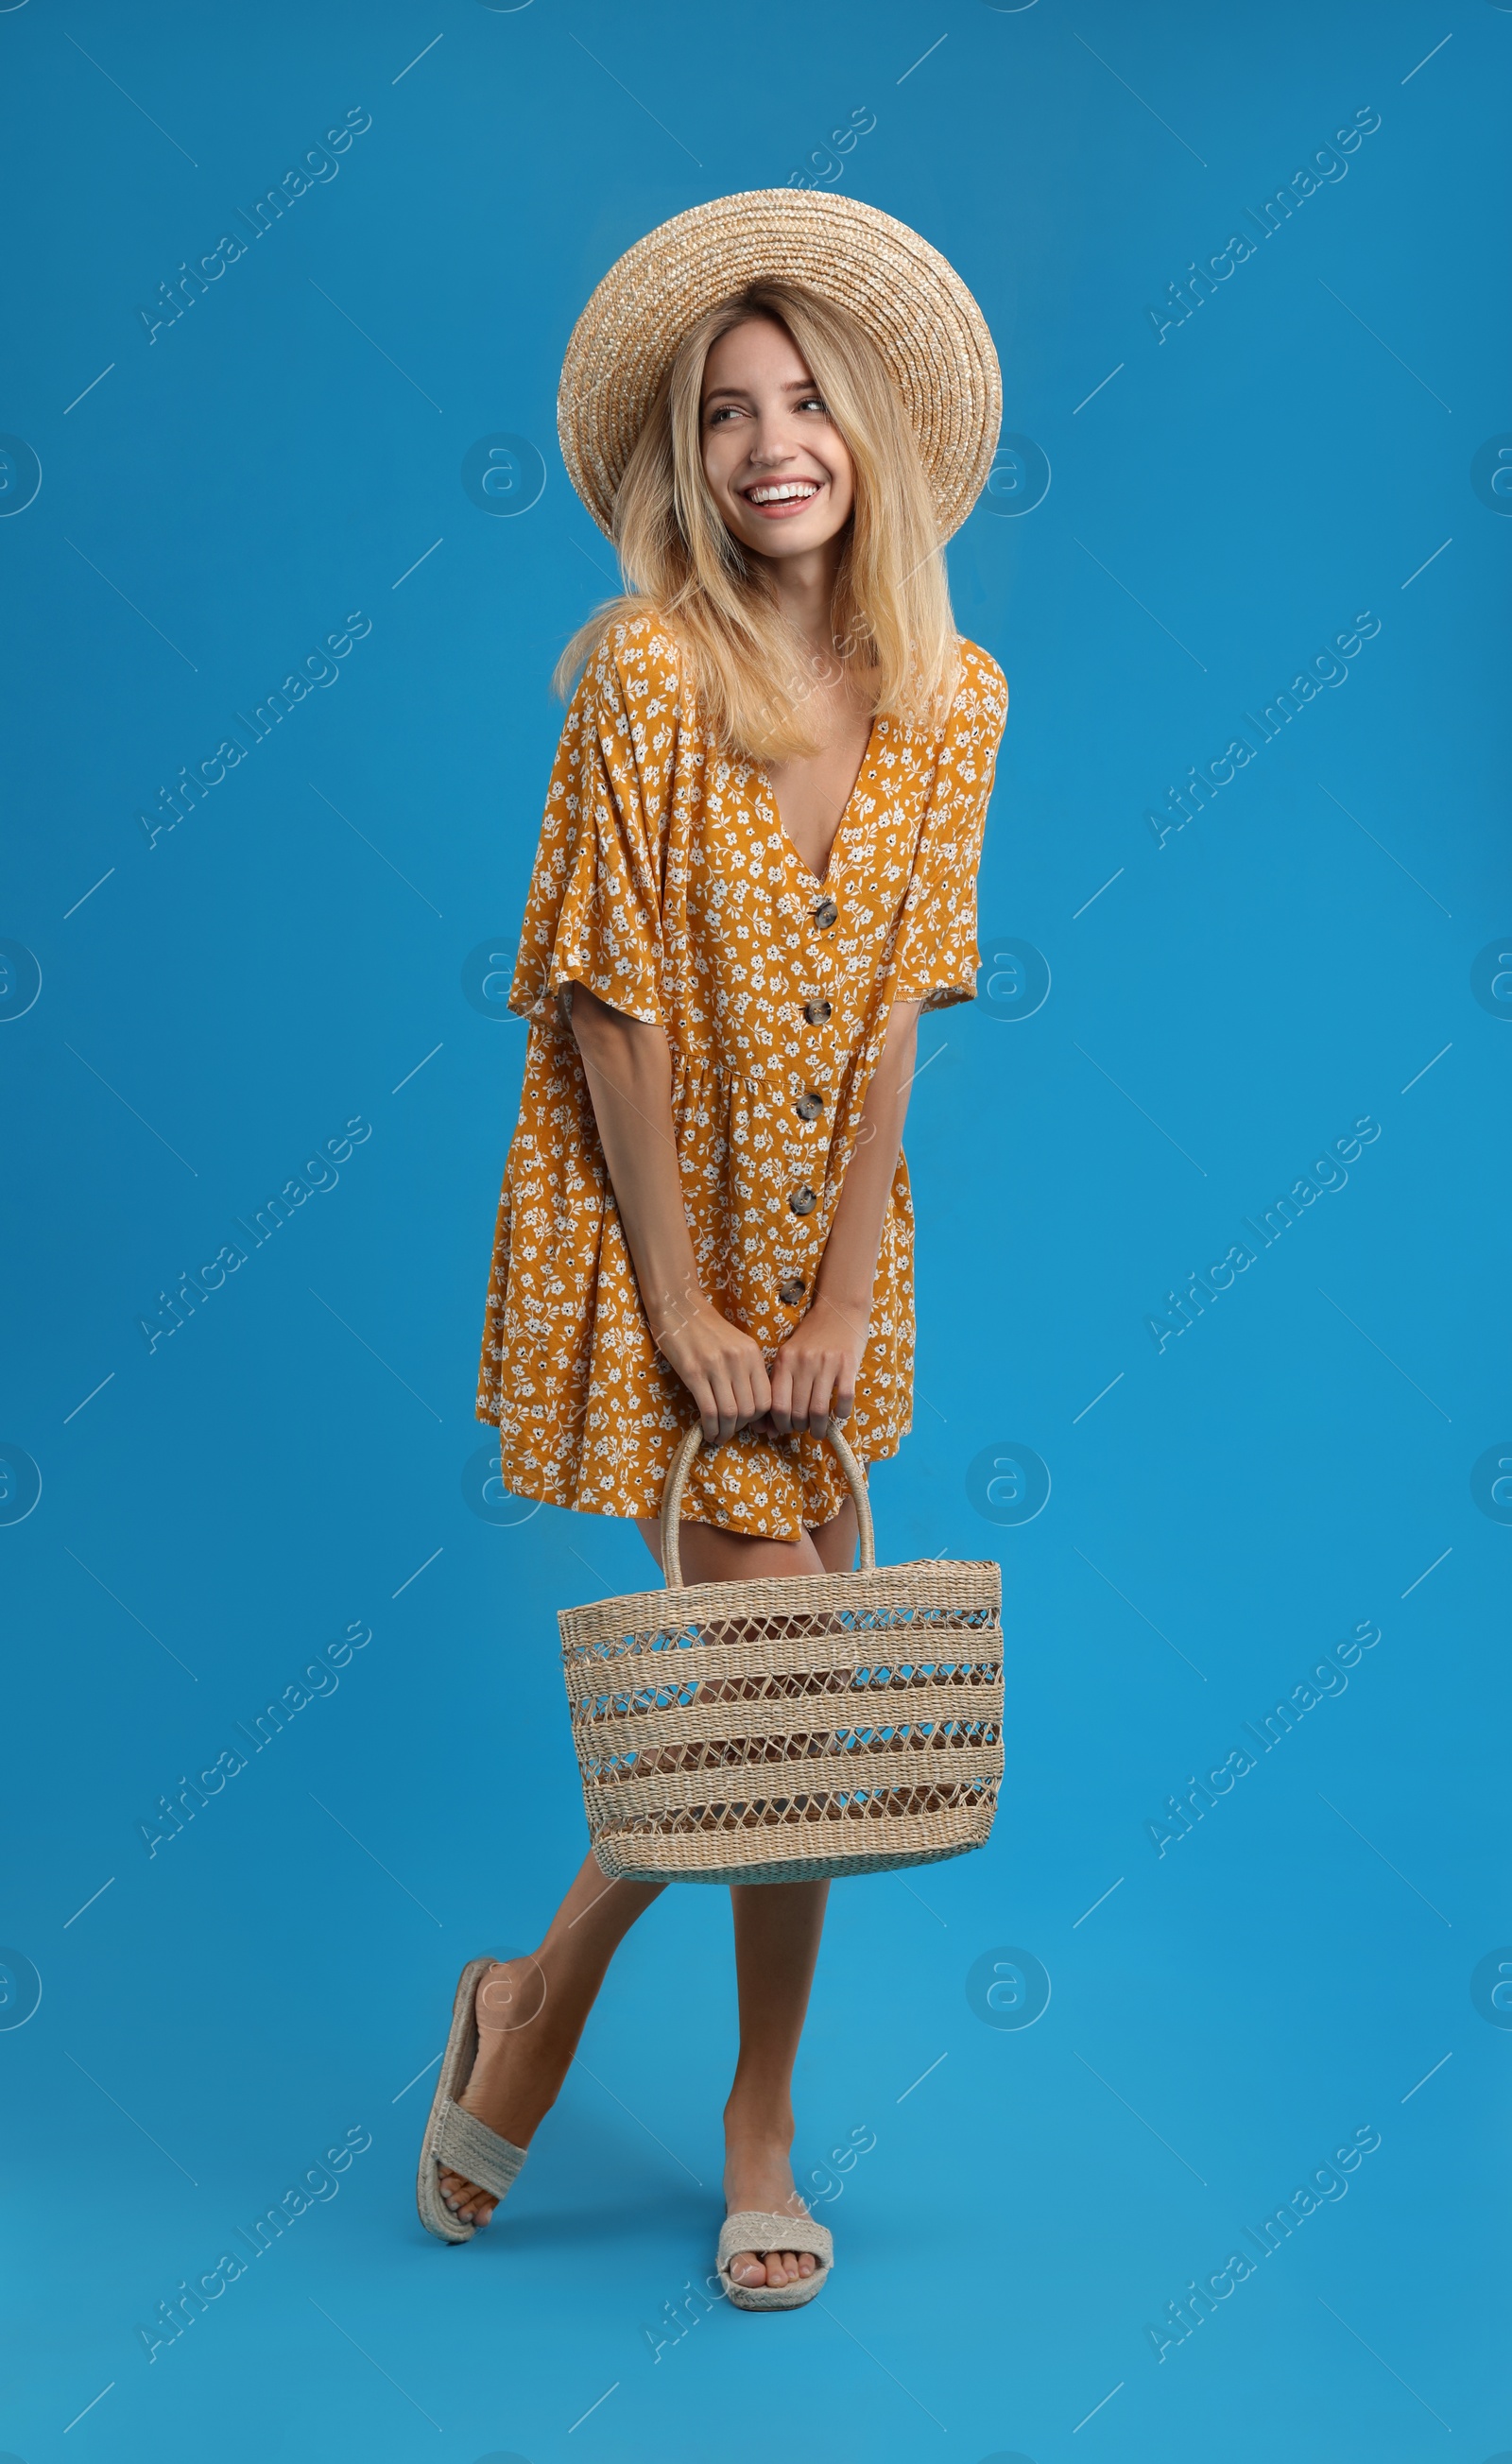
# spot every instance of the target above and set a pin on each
(815, 1372)
(630, 1072)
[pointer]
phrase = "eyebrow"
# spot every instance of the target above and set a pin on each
(800, 384)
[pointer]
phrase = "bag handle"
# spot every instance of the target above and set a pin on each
(682, 1464)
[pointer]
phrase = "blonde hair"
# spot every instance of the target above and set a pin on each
(890, 612)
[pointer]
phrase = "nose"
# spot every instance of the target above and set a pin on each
(769, 446)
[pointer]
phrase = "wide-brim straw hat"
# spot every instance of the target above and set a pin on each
(929, 329)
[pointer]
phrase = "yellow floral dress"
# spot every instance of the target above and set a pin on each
(666, 883)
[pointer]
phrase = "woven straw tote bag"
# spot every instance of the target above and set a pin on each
(791, 1728)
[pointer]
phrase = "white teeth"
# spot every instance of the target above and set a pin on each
(781, 495)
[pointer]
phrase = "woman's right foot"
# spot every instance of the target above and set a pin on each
(517, 2074)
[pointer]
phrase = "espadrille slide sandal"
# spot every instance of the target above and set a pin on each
(457, 2142)
(749, 2228)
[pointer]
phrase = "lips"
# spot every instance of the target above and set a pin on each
(775, 499)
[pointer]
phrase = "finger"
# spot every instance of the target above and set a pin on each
(782, 1388)
(728, 1415)
(799, 1373)
(752, 1393)
(820, 1393)
(761, 1384)
(708, 1397)
(703, 1395)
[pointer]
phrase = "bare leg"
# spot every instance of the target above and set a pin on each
(730, 1556)
(836, 1542)
(777, 1928)
(532, 2012)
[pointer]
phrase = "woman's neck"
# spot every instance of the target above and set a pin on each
(806, 588)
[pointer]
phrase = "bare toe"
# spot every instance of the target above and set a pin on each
(465, 2200)
(745, 2268)
(806, 2262)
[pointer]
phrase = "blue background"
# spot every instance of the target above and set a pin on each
(1220, 1008)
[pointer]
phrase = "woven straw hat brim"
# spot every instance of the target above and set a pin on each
(931, 334)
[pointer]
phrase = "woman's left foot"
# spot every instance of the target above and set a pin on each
(759, 2176)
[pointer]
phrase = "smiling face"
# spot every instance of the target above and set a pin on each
(778, 469)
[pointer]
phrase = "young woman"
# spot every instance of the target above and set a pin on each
(757, 867)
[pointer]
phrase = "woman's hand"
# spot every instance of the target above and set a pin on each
(721, 1367)
(814, 1373)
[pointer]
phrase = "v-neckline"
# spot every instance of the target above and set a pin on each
(820, 880)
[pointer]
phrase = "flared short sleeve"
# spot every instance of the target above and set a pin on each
(594, 913)
(937, 958)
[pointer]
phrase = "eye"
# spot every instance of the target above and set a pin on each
(722, 411)
(815, 401)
